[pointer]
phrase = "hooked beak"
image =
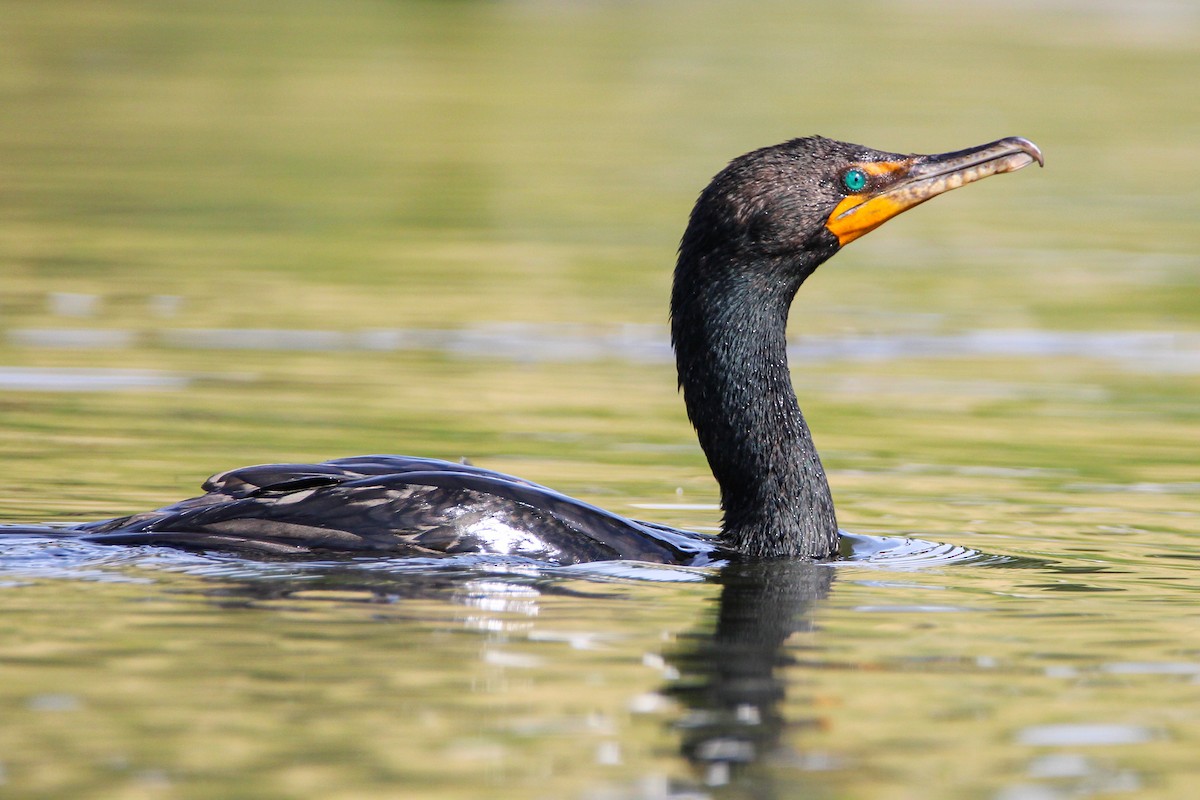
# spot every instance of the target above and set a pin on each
(893, 187)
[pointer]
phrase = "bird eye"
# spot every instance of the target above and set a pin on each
(854, 180)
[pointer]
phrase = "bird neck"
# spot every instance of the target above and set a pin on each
(729, 332)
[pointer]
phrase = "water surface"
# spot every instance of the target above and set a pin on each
(231, 235)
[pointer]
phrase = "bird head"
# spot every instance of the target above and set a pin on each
(813, 195)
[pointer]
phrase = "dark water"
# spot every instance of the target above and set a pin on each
(231, 235)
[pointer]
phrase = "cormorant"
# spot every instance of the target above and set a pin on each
(762, 226)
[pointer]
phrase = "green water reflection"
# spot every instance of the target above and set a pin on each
(372, 165)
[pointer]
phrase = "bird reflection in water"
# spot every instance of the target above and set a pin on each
(732, 683)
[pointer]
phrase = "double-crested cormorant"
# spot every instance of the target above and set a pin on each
(762, 226)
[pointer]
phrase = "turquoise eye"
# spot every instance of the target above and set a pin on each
(855, 180)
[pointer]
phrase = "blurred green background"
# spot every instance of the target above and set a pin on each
(360, 165)
(431, 164)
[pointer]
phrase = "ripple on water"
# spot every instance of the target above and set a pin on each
(1085, 735)
(88, 379)
(1137, 351)
(905, 554)
(30, 557)
(25, 559)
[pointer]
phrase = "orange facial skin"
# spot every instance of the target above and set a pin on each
(896, 186)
